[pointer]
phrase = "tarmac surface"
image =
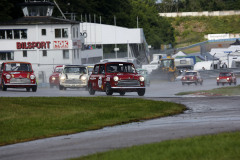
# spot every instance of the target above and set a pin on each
(205, 115)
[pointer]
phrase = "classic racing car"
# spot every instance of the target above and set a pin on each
(192, 77)
(226, 78)
(17, 75)
(54, 77)
(73, 76)
(120, 77)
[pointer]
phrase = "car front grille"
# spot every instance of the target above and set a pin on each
(20, 80)
(73, 81)
(128, 83)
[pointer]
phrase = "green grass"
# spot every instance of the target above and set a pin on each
(190, 30)
(225, 146)
(23, 119)
(223, 91)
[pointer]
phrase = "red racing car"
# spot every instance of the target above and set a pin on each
(17, 75)
(226, 78)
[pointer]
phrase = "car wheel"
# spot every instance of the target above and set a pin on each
(122, 93)
(60, 87)
(141, 92)
(28, 89)
(195, 83)
(223, 84)
(108, 90)
(217, 83)
(183, 83)
(201, 83)
(230, 83)
(4, 88)
(235, 83)
(91, 90)
(34, 88)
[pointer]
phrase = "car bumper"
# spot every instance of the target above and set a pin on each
(73, 85)
(12, 85)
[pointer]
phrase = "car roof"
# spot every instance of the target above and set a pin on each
(17, 62)
(74, 66)
(113, 62)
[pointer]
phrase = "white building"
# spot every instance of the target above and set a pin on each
(47, 41)
(43, 40)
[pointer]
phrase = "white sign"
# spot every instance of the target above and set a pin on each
(60, 44)
(218, 36)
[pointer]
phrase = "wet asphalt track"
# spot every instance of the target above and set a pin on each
(206, 115)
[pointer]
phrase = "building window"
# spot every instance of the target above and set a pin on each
(44, 32)
(9, 34)
(13, 34)
(24, 53)
(6, 56)
(44, 53)
(2, 34)
(65, 54)
(16, 34)
(61, 33)
(73, 32)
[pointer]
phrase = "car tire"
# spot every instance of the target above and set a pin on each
(108, 90)
(217, 83)
(61, 87)
(183, 83)
(223, 84)
(91, 90)
(28, 89)
(235, 83)
(122, 93)
(195, 83)
(201, 83)
(141, 92)
(4, 88)
(34, 88)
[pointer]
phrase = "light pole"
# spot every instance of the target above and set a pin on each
(213, 60)
(228, 59)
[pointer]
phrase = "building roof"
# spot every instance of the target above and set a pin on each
(41, 20)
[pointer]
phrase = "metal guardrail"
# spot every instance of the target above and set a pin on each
(214, 73)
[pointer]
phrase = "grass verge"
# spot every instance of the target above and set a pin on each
(23, 119)
(223, 146)
(223, 91)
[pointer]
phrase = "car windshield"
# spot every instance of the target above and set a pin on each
(166, 63)
(81, 70)
(58, 69)
(191, 73)
(225, 74)
(121, 67)
(18, 67)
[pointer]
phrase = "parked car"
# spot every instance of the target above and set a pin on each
(54, 77)
(192, 77)
(226, 78)
(73, 76)
(17, 75)
(120, 77)
(144, 73)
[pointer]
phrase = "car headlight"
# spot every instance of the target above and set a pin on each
(8, 76)
(141, 79)
(32, 77)
(63, 77)
(115, 78)
(228, 79)
(218, 78)
(53, 78)
(83, 78)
